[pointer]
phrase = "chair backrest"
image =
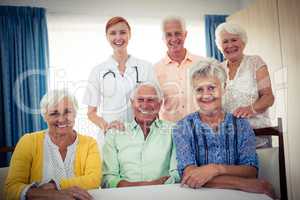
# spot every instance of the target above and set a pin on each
(3, 174)
(275, 131)
(6, 149)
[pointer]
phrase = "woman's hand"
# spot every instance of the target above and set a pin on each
(258, 186)
(196, 177)
(115, 124)
(245, 112)
(72, 193)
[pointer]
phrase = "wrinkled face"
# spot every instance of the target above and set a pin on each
(146, 104)
(174, 36)
(118, 36)
(232, 46)
(208, 94)
(61, 117)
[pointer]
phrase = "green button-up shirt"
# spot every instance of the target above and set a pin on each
(129, 156)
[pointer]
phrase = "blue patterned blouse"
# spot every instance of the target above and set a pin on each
(227, 146)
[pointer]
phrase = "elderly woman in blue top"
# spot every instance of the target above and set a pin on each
(214, 148)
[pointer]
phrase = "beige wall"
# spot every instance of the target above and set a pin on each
(273, 28)
(289, 20)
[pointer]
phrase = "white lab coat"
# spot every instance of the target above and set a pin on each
(109, 91)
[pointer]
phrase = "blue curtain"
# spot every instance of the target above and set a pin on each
(211, 23)
(24, 63)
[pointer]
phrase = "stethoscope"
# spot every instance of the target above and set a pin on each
(114, 74)
(204, 139)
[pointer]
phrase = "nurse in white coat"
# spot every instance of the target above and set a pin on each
(110, 83)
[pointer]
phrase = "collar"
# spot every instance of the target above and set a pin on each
(52, 145)
(134, 125)
(188, 57)
(115, 63)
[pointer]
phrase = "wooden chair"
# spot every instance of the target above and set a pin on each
(277, 131)
(6, 149)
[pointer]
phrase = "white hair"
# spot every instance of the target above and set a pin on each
(150, 84)
(173, 19)
(207, 68)
(230, 28)
(53, 97)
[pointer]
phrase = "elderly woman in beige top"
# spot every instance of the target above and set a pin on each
(248, 90)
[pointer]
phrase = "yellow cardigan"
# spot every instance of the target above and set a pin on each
(26, 165)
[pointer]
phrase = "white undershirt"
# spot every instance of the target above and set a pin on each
(54, 167)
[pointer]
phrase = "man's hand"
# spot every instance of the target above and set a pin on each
(196, 177)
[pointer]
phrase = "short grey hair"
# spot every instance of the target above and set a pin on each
(53, 97)
(147, 83)
(208, 68)
(173, 19)
(230, 28)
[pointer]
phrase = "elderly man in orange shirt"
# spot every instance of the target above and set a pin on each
(172, 72)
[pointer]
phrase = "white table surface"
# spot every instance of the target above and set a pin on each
(173, 192)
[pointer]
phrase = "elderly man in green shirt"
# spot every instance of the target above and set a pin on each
(142, 154)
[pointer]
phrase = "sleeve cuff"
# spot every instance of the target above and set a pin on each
(25, 190)
(48, 181)
(113, 183)
(171, 180)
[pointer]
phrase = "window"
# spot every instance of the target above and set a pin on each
(77, 45)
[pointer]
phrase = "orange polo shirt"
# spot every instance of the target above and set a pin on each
(175, 83)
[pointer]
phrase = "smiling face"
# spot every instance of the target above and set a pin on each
(118, 36)
(61, 117)
(208, 93)
(232, 46)
(174, 36)
(146, 104)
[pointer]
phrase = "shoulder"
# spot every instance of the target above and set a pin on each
(165, 125)
(31, 141)
(104, 66)
(239, 121)
(114, 134)
(187, 120)
(255, 60)
(140, 61)
(159, 64)
(34, 136)
(243, 126)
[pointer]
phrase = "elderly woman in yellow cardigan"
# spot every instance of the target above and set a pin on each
(57, 163)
